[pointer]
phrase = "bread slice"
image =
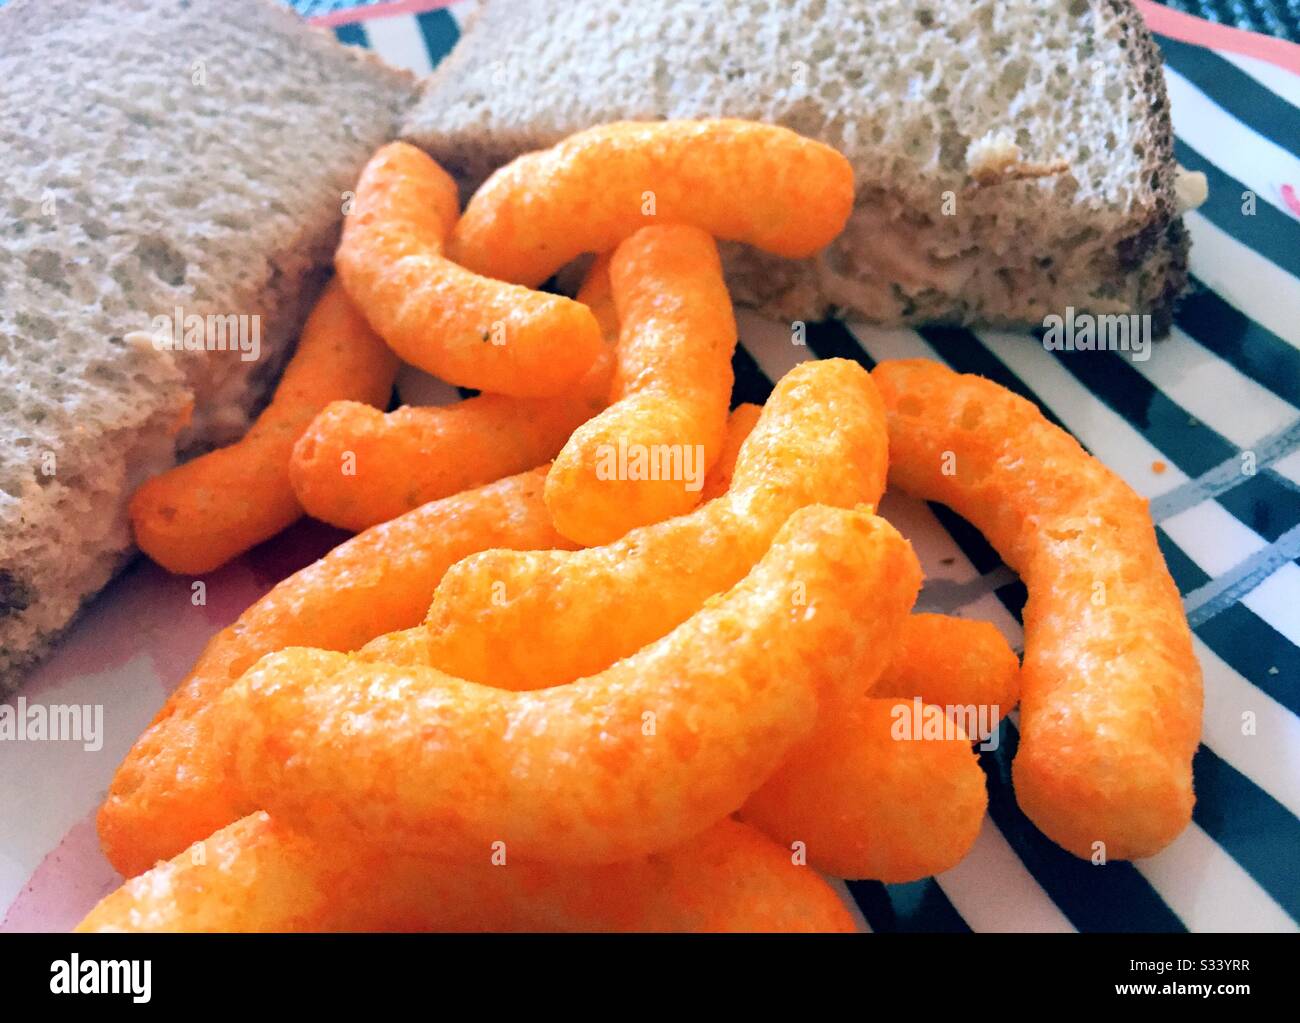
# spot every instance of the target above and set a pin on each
(1012, 157)
(158, 154)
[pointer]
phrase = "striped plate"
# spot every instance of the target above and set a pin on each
(1224, 387)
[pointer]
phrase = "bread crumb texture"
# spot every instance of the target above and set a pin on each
(160, 154)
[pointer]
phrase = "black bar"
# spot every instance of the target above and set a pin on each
(261, 972)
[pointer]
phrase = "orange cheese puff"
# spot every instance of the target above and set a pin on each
(256, 875)
(737, 180)
(872, 800)
(403, 459)
(406, 458)
(171, 789)
(404, 646)
(527, 620)
(953, 662)
(1110, 690)
(196, 517)
(643, 459)
(740, 424)
(597, 294)
(629, 762)
(468, 330)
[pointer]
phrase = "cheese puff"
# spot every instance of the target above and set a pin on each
(547, 617)
(402, 646)
(1110, 688)
(643, 459)
(196, 517)
(597, 293)
(871, 799)
(737, 180)
(171, 789)
(468, 330)
(257, 876)
(626, 763)
(740, 424)
(952, 662)
(403, 459)
(406, 458)
(865, 806)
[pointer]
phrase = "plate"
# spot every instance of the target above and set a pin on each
(1207, 428)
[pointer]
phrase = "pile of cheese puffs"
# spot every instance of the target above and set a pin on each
(605, 654)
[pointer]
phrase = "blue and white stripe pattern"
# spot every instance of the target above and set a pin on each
(1221, 393)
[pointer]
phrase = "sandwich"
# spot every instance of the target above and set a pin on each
(1012, 158)
(176, 171)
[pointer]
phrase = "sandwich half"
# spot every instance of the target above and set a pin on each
(1012, 157)
(174, 169)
